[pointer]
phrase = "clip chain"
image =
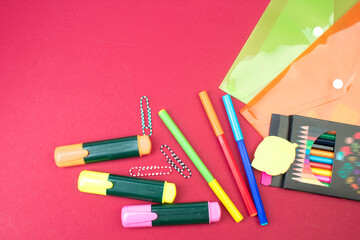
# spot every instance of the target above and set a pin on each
(168, 159)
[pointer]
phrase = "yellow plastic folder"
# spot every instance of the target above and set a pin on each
(323, 82)
(284, 31)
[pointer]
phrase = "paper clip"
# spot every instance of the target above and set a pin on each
(168, 159)
(146, 168)
(148, 109)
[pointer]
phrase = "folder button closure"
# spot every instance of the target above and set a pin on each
(338, 83)
(318, 31)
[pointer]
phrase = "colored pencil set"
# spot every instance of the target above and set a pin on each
(327, 156)
(320, 152)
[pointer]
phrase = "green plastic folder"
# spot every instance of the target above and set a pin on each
(284, 31)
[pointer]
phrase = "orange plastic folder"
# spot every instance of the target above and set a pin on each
(323, 82)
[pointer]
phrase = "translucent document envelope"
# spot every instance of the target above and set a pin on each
(285, 30)
(323, 82)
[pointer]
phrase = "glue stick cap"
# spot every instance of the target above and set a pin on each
(144, 144)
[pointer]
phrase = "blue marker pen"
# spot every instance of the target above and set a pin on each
(235, 126)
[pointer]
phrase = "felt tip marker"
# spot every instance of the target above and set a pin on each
(121, 186)
(219, 133)
(170, 214)
(83, 153)
(235, 126)
(214, 185)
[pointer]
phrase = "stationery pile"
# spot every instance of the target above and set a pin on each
(162, 191)
(293, 63)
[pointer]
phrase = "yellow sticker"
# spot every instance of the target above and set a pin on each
(274, 155)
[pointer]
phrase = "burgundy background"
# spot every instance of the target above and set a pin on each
(74, 71)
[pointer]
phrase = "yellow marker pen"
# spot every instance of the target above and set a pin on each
(121, 186)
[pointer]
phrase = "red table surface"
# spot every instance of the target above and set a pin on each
(74, 71)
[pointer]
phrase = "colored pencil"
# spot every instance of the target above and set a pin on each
(235, 126)
(317, 133)
(219, 133)
(319, 177)
(311, 181)
(332, 132)
(317, 171)
(328, 136)
(321, 153)
(321, 159)
(322, 172)
(324, 141)
(322, 147)
(315, 165)
(321, 165)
